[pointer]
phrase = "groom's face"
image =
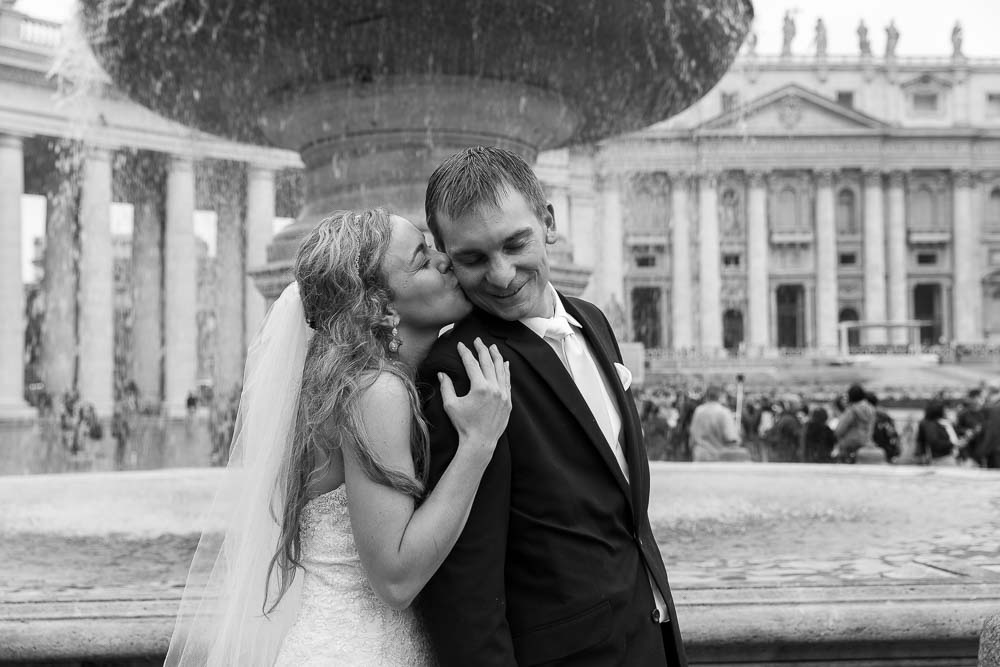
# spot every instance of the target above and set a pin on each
(499, 256)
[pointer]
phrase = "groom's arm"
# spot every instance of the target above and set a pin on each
(464, 603)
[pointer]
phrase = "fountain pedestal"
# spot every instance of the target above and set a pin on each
(376, 143)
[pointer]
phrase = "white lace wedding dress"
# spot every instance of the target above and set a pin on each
(341, 622)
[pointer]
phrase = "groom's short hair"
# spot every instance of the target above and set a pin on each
(477, 177)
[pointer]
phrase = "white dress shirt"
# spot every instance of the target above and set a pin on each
(607, 414)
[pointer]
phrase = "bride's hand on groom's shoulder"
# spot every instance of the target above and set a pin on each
(480, 416)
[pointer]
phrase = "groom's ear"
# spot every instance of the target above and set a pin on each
(550, 223)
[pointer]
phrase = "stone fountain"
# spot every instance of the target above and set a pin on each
(375, 93)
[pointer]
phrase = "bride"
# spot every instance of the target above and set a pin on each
(329, 532)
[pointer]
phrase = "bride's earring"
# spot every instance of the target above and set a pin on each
(395, 341)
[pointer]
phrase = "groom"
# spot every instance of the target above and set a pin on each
(557, 564)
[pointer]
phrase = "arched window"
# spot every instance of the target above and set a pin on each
(923, 213)
(732, 329)
(993, 208)
(785, 218)
(846, 214)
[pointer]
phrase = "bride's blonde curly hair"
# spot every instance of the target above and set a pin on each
(345, 295)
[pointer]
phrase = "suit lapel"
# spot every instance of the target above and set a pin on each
(539, 356)
(631, 439)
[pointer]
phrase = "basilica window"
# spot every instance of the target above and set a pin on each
(731, 260)
(993, 105)
(925, 103)
(730, 101)
(645, 261)
(785, 218)
(848, 259)
(845, 98)
(923, 212)
(846, 213)
(993, 209)
(927, 258)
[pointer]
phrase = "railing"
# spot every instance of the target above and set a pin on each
(854, 60)
(26, 32)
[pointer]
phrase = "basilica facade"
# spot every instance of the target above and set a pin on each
(801, 192)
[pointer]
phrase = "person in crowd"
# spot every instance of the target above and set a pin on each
(884, 433)
(818, 439)
(713, 427)
(855, 425)
(969, 426)
(988, 452)
(784, 438)
(937, 441)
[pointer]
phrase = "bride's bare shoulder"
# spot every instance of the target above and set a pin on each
(385, 396)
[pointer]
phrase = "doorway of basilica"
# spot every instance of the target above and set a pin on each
(790, 301)
(646, 327)
(927, 306)
(732, 329)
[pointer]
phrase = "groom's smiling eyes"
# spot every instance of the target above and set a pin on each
(513, 243)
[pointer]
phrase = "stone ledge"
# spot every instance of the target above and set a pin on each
(814, 625)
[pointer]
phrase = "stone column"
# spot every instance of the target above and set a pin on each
(230, 269)
(873, 248)
(826, 263)
(758, 288)
(896, 257)
(12, 324)
(680, 264)
(146, 192)
(59, 282)
(611, 241)
(967, 302)
(709, 269)
(180, 299)
(259, 230)
(96, 328)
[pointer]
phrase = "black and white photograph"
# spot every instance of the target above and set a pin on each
(499, 333)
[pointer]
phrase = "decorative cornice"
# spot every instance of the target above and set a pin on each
(962, 178)
(824, 178)
(756, 178)
(897, 178)
(872, 178)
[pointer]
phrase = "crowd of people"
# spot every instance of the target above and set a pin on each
(702, 425)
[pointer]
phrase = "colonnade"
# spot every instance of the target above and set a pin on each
(165, 333)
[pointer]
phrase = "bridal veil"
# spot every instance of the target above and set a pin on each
(221, 619)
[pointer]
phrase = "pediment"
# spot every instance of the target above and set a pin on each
(791, 109)
(929, 81)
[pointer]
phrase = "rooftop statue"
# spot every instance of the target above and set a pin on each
(787, 34)
(820, 38)
(956, 41)
(864, 44)
(891, 39)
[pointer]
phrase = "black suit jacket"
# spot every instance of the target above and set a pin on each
(551, 566)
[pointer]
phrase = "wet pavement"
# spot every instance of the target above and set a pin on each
(718, 525)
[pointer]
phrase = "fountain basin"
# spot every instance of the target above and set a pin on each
(768, 562)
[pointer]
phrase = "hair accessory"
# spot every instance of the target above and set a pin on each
(395, 341)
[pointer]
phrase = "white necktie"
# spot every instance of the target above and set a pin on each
(588, 380)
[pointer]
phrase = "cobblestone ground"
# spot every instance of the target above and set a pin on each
(825, 525)
(718, 525)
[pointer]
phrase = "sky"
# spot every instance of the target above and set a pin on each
(925, 26)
